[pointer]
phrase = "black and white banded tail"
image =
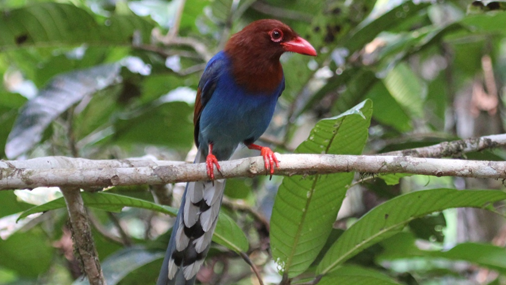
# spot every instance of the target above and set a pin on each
(192, 231)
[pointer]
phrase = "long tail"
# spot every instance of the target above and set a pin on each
(192, 231)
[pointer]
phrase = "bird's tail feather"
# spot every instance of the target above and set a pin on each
(192, 231)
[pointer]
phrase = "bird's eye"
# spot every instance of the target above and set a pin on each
(276, 35)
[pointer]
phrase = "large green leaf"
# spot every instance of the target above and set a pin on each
(389, 218)
(57, 24)
(306, 207)
(355, 275)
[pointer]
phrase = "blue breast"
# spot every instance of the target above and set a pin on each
(233, 115)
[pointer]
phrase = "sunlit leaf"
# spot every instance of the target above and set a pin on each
(407, 89)
(387, 109)
(61, 93)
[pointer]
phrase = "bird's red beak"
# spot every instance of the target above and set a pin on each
(299, 45)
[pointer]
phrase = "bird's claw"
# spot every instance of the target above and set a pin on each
(270, 160)
(211, 161)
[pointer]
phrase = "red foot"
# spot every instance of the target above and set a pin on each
(270, 160)
(211, 161)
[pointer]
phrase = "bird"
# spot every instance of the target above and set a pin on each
(235, 102)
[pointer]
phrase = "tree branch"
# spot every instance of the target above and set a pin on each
(89, 173)
(84, 245)
(453, 148)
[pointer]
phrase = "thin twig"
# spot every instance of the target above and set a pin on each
(124, 237)
(84, 246)
(253, 267)
(173, 33)
(276, 142)
(247, 209)
(198, 46)
(167, 53)
(450, 149)
(70, 132)
(103, 231)
(162, 194)
(312, 282)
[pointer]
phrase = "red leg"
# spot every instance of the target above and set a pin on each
(211, 161)
(270, 159)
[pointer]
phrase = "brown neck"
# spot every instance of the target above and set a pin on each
(254, 71)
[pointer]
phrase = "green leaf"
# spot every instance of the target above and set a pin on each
(355, 275)
(103, 201)
(393, 179)
(486, 23)
(97, 114)
(57, 24)
(9, 204)
(165, 124)
(306, 207)
(402, 246)
(9, 105)
(406, 88)
(356, 88)
(485, 255)
(390, 217)
(327, 29)
(121, 263)
(429, 227)
(387, 110)
(370, 28)
(28, 253)
(229, 234)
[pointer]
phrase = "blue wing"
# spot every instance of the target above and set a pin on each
(207, 85)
